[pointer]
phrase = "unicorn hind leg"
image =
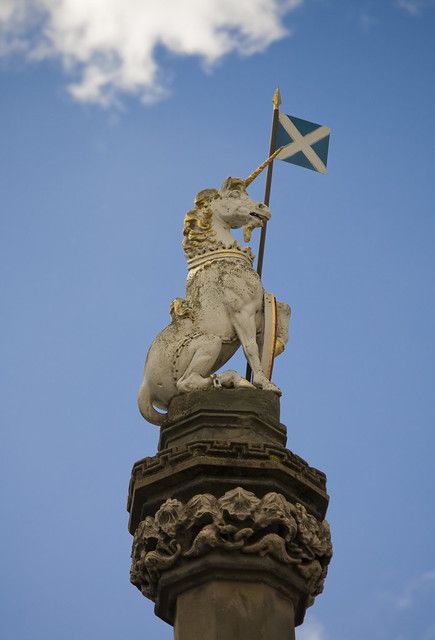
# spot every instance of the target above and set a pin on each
(206, 350)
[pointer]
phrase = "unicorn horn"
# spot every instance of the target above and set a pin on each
(257, 172)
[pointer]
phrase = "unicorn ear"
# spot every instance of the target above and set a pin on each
(233, 183)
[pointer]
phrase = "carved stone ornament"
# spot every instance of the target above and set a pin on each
(239, 522)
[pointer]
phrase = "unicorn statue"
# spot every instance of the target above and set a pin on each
(225, 305)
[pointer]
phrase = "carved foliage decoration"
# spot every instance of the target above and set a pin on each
(270, 526)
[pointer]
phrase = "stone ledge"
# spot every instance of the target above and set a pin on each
(264, 403)
(228, 450)
(233, 414)
(217, 466)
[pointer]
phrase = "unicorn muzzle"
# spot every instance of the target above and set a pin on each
(262, 213)
(258, 218)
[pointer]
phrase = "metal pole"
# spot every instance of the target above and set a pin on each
(276, 100)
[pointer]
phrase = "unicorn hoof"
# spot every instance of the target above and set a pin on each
(261, 382)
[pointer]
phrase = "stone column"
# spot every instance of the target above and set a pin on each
(230, 539)
(233, 610)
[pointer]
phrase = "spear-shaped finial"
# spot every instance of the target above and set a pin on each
(276, 100)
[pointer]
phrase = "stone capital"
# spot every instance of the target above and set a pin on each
(238, 536)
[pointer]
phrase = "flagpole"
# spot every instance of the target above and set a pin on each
(276, 101)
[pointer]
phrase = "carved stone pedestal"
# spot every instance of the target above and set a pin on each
(229, 533)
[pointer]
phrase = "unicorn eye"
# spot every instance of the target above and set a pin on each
(235, 194)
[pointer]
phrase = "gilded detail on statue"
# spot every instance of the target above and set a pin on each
(225, 305)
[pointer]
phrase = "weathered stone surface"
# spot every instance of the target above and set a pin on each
(244, 445)
(229, 610)
(234, 567)
(218, 466)
(238, 523)
(224, 414)
(224, 307)
(223, 505)
(265, 403)
(230, 540)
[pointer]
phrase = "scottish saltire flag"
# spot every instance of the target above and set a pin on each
(305, 143)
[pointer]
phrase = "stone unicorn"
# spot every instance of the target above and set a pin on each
(223, 307)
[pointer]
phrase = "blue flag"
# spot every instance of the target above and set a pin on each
(305, 143)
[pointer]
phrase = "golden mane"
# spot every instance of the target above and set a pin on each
(198, 226)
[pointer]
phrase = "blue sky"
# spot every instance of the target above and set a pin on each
(102, 152)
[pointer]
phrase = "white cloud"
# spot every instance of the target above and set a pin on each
(414, 7)
(423, 582)
(311, 630)
(110, 46)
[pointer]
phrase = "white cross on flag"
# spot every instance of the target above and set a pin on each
(305, 143)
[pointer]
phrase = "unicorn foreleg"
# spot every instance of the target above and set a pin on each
(245, 327)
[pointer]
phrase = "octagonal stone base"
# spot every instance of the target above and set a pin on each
(238, 415)
(215, 440)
